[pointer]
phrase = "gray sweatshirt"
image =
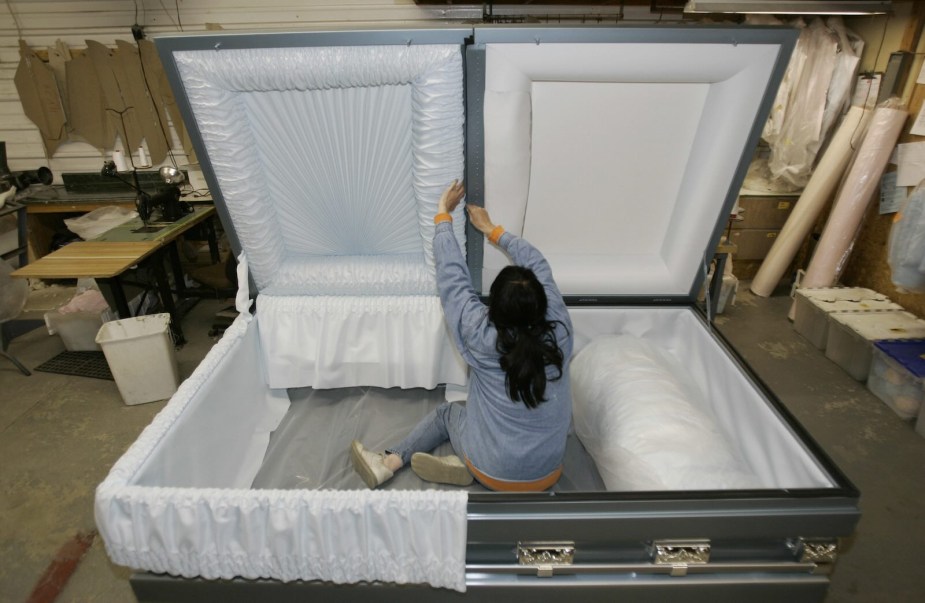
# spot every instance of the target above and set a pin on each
(504, 439)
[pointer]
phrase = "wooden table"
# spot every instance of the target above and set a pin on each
(108, 256)
(90, 259)
(48, 207)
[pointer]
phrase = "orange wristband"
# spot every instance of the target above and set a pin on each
(495, 234)
(444, 217)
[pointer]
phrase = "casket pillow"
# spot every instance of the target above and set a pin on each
(645, 422)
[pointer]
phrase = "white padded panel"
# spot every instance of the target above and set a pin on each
(616, 159)
(597, 194)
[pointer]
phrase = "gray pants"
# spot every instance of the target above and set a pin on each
(446, 422)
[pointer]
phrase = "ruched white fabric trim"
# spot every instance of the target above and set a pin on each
(342, 341)
(330, 151)
(211, 526)
(354, 275)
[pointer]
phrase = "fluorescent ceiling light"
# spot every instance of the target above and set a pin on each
(788, 7)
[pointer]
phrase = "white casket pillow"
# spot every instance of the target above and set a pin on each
(646, 423)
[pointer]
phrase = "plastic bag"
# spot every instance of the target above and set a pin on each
(815, 91)
(13, 293)
(645, 422)
(907, 245)
(93, 224)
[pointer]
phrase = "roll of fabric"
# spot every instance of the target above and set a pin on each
(862, 181)
(820, 188)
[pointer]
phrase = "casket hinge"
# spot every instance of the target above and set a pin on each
(545, 556)
(679, 554)
(822, 552)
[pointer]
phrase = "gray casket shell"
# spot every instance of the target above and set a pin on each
(762, 541)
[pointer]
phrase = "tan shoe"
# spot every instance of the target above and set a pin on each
(370, 465)
(441, 469)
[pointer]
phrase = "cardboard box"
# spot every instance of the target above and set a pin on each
(753, 243)
(759, 212)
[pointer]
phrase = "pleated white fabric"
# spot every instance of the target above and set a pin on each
(330, 151)
(341, 341)
(331, 161)
(354, 275)
(178, 501)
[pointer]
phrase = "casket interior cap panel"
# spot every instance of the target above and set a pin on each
(619, 152)
(327, 152)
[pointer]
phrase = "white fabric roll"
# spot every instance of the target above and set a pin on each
(818, 191)
(852, 201)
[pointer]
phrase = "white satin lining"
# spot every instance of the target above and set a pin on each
(330, 151)
(177, 501)
(341, 341)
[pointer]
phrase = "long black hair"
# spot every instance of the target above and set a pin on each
(526, 340)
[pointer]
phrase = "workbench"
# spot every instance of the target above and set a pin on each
(47, 207)
(108, 256)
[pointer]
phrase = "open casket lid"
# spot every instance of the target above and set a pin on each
(326, 151)
(617, 151)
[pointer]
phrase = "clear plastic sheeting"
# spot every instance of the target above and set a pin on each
(309, 450)
(14, 292)
(749, 422)
(646, 423)
(94, 223)
(816, 89)
(907, 245)
(330, 151)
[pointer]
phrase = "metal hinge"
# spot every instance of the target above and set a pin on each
(545, 556)
(820, 551)
(680, 554)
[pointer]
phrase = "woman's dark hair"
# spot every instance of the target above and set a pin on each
(526, 340)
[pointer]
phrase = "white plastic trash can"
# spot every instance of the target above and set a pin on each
(141, 357)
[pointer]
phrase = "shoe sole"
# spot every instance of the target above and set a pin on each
(438, 470)
(361, 467)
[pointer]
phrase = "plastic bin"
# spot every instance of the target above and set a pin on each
(141, 357)
(727, 292)
(851, 336)
(813, 306)
(897, 369)
(77, 329)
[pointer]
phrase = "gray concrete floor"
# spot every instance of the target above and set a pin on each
(879, 452)
(59, 436)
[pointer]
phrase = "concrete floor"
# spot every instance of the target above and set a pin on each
(60, 435)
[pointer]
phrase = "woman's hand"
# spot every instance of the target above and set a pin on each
(480, 219)
(451, 197)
